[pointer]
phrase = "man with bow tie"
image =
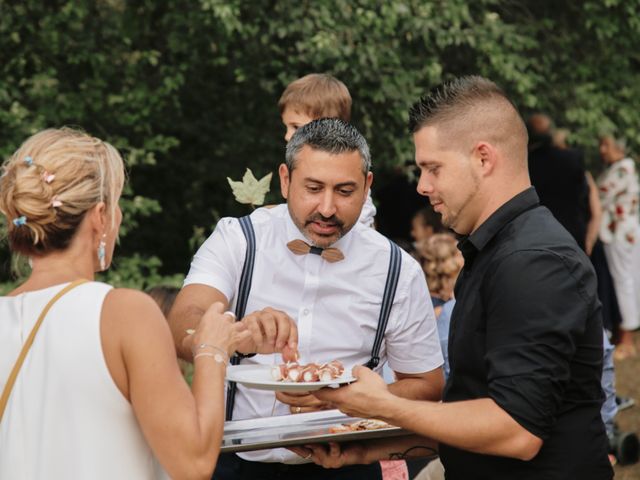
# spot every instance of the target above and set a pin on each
(322, 285)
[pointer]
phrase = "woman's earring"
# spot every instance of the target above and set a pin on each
(101, 253)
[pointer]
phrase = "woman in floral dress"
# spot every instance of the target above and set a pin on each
(619, 231)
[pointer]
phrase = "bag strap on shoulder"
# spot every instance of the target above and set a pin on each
(27, 344)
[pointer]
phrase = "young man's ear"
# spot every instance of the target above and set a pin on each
(283, 171)
(486, 155)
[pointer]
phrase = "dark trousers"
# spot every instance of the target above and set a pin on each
(232, 467)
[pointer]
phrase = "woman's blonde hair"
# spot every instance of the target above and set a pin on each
(441, 262)
(51, 181)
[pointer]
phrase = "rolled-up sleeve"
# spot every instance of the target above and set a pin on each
(537, 309)
(218, 261)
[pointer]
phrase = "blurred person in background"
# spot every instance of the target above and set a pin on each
(619, 231)
(424, 224)
(559, 178)
(442, 261)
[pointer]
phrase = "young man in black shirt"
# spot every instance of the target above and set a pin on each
(523, 398)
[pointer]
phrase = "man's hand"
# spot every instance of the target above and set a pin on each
(302, 402)
(365, 398)
(333, 455)
(271, 331)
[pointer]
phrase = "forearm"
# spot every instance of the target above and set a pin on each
(593, 230)
(180, 322)
(480, 426)
(208, 392)
(192, 302)
(423, 386)
(399, 448)
(595, 208)
(417, 389)
(192, 450)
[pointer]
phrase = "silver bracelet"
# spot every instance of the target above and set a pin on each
(216, 356)
(208, 345)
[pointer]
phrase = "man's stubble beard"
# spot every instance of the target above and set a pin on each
(453, 218)
(305, 231)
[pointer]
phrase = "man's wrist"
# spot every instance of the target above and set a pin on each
(384, 408)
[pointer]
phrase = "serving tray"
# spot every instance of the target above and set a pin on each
(298, 429)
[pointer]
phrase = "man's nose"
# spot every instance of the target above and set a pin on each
(327, 206)
(288, 134)
(425, 187)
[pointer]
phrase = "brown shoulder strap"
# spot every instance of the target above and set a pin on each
(27, 345)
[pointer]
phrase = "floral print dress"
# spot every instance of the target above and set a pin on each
(619, 191)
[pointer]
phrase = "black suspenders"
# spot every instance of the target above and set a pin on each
(243, 295)
(393, 274)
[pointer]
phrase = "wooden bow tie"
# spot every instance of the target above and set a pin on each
(300, 247)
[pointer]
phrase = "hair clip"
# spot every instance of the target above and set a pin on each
(48, 177)
(28, 160)
(55, 202)
(18, 222)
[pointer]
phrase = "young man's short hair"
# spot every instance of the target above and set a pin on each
(317, 95)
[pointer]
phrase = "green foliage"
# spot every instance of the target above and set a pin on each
(187, 90)
(140, 273)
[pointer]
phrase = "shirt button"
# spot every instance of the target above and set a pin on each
(305, 312)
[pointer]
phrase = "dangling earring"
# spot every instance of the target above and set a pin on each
(101, 253)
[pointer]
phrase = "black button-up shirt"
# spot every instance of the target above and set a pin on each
(526, 331)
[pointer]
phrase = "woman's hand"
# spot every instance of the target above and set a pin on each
(220, 330)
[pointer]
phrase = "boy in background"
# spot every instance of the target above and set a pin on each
(314, 96)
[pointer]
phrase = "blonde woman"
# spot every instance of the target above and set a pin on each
(99, 392)
(441, 261)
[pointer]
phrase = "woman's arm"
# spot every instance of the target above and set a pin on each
(593, 227)
(182, 426)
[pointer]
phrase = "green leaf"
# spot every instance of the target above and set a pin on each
(250, 190)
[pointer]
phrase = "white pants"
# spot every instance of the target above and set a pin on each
(621, 260)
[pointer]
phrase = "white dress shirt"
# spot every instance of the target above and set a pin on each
(336, 305)
(368, 214)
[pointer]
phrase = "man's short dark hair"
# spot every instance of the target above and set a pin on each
(448, 99)
(330, 135)
(470, 109)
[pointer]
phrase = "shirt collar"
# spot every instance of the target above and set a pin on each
(470, 245)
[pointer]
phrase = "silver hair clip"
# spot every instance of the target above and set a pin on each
(28, 160)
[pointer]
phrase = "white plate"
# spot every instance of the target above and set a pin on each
(259, 376)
